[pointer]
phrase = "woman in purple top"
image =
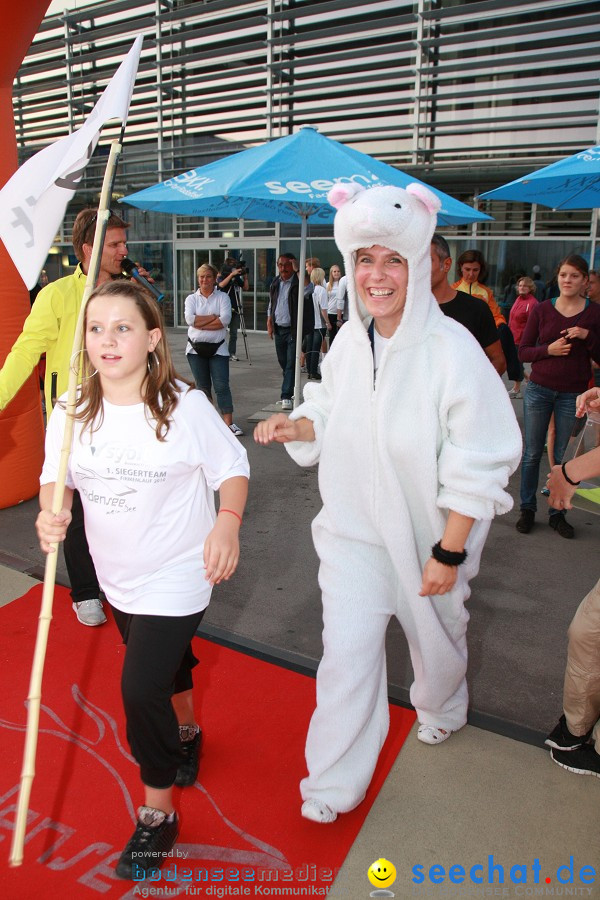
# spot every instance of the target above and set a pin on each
(561, 336)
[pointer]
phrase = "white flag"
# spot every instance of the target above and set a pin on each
(33, 202)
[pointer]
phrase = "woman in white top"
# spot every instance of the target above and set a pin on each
(415, 439)
(333, 316)
(148, 452)
(319, 298)
(208, 313)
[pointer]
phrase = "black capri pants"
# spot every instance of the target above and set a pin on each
(158, 663)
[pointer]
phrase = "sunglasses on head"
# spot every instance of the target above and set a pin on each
(92, 225)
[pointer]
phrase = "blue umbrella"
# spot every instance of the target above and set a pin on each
(283, 181)
(571, 183)
(286, 180)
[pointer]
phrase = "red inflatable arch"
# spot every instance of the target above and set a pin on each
(21, 423)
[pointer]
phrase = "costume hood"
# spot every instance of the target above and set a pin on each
(402, 220)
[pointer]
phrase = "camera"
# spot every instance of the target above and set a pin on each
(239, 264)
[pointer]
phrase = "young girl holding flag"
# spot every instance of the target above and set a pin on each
(147, 454)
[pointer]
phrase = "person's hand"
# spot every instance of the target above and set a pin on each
(587, 402)
(144, 273)
(561, 347)
(328, 324)
(560, 489)
(575, 332)
(437, 578)
(270, 328)
(52, 528)
(277, 428)
(222, 549)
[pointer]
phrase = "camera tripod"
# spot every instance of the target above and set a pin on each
(242, 328)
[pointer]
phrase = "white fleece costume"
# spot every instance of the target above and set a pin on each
(437, 432)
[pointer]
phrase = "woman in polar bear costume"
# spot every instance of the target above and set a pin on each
(415, 439)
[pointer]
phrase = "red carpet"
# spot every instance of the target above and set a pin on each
(241, 826)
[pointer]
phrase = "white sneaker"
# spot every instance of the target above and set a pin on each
(233, 358)
(429, 734)
(90, 612)
(317, 811)
(235, 429)
(287, 404)
(515, 395)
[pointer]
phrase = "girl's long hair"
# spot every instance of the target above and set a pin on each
(331, 282)
(160, 391)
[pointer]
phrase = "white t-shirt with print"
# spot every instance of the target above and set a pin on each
(149, 504)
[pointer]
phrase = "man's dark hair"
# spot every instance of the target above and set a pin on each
(286, 256)
(440, 245)
(84, 229)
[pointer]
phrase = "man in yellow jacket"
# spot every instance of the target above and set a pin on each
(50, 329)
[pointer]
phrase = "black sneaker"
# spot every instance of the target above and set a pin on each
(526, 520)
(560, 524)
(149, 845)
(188, 769)
(584, 761)
(562, 739)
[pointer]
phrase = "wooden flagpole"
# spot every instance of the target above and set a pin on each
(35, 684)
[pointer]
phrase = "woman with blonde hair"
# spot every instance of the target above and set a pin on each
(519, 313)
(335, 274)
(208, 313)
(319, 299)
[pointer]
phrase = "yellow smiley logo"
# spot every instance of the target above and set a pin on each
(382, 873)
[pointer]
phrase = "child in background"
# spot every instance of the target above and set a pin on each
(147, 454)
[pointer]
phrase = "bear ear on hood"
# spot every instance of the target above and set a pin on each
(430, 200)
(341, 193)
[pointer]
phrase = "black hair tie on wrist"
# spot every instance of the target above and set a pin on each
(566, 477)
(448, 557)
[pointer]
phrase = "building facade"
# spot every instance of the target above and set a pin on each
(464, 95)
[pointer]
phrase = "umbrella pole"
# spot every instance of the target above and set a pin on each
(35, 684)
(299, 332)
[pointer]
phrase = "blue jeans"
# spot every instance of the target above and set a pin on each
(539, 404)
(285, 347)
(213, 372)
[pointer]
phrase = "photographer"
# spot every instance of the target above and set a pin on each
(232, 280)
